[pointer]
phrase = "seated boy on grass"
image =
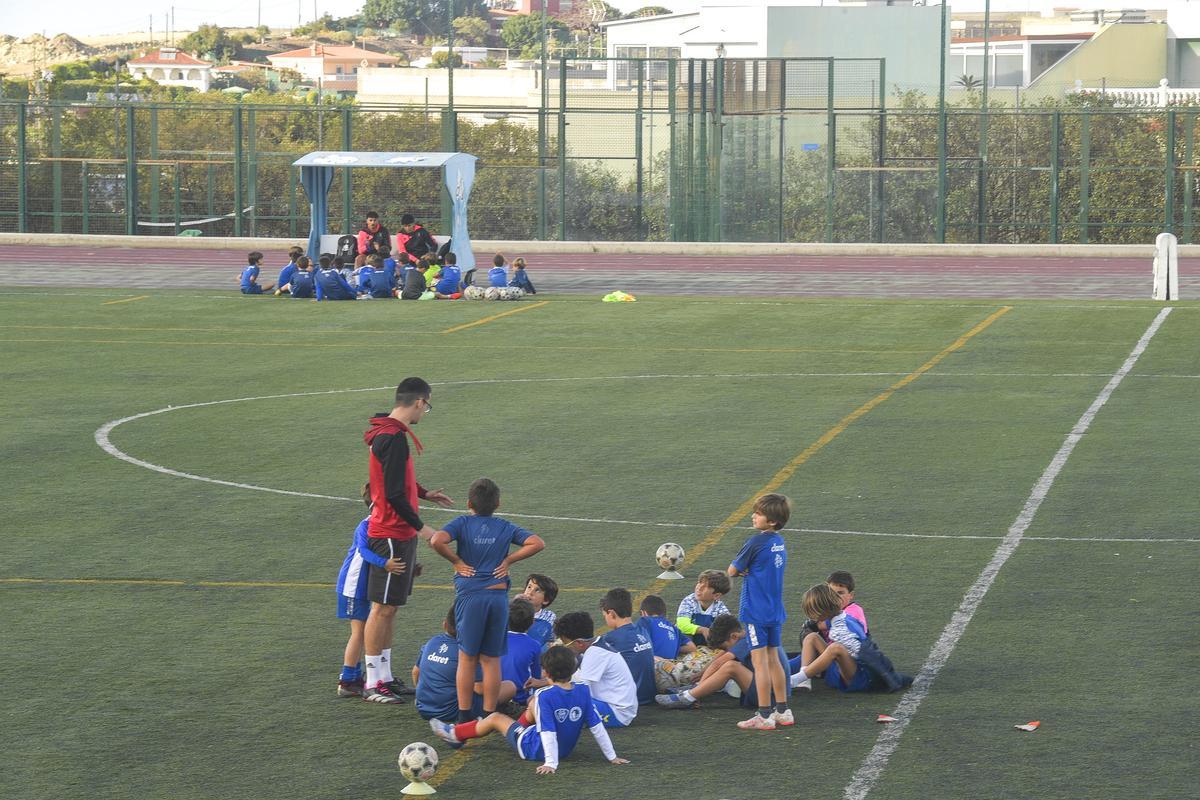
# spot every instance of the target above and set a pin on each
(540, 590)
(434, 676)
(698, 610)
(520, 667)
(550, 728)
(732, 663)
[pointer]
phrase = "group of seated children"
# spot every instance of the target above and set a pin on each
(494, 650)
(433, 276)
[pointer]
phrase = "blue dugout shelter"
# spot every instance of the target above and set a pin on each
(458, 171)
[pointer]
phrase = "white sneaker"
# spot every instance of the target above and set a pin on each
(758, 723)
(732, 689)
(783, 719)
(805, 684)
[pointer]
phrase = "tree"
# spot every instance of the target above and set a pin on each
(383, 13)
(524, 32)
(471, 30)
(211, 41)
(441, 57)
(424, 17)
(262, 32)
(648, 11)
(968, 82)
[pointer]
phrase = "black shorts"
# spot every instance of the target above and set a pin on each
(384, 587)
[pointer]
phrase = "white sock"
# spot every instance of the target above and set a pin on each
(687, 695)
(385, 666)
(372, 671)
(798, 678)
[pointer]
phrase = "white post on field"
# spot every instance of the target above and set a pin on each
(1166, 267)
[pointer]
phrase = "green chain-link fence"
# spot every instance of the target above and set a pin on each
(791, 150)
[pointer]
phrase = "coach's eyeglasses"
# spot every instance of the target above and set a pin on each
(428, 405)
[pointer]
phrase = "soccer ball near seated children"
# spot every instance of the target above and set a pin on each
(491, 293)
(418, 762)
(473, 293)
(512, 293)
(669, 557)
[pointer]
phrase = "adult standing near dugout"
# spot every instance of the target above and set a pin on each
(393, 529)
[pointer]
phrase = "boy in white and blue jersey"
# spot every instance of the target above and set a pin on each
(481, 586)
(353, 603)
(667, 639)
(541, 591)
(550, 728)
(761, 562)
(435, 675)
(520, 667)
(698, 610)
(629, 641)
(605, 672)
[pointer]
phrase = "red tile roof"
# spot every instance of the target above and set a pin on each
(169, 56)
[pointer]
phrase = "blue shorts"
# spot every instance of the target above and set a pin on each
(451, 712)
(607, 715)
(253, 288)
(861, 682)
(353, 607)
(763, 635)
(526, 741)
(482, 622)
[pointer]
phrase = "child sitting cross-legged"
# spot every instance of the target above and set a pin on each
(851, 661)
(435, 675)
(842, 583)
(550, 728)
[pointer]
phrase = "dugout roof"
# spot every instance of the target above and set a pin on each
(458, 172)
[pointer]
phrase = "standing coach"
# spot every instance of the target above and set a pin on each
(393, 529)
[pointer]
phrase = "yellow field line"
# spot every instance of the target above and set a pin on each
(486, 320)
(490, 344)
(781, 477)
(126, 300)
(449, 587)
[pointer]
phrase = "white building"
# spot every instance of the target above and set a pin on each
(332, 67)
(172, 67)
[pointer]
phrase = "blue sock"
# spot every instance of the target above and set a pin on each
(349, 673)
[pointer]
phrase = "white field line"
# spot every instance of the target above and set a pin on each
(868, 772)
(103, 439)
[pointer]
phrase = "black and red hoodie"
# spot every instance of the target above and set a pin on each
(394, 487)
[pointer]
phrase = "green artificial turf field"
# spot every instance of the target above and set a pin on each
(172, 638)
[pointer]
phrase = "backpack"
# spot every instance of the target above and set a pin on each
(347, 247)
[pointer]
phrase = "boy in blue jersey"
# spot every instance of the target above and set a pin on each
(435, 675)
(520, 667)
(667, 639)
(353, 603)
(558, 714)
(364, 275)
(449, 282)
(698, 610)
(302, 286)
(249, 278)
(289, 270)
(381, 282)
(481, 586)
(520, 277)
(732, 663)
(390, 265)
(541, 591)
(762, 561)
(629, 641)
(330, 283)
(498, 275)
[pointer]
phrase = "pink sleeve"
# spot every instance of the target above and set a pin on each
(856, 611)
(363, 237)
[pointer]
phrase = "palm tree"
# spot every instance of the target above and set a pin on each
(968, 82)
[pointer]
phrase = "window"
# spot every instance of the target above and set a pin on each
(1009, 70)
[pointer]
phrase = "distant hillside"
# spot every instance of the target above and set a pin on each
(21, 56)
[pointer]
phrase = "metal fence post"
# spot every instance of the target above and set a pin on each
(85, 199)
(22, 170)
(155, 171)
(292, 200)
(782, 155)
(639, 155)
(700, 217)
(881, 158)
(449, 145)
(238, 158)
(347, 179)
(716, 145)
(56, 168)
(672, 150)
(1055, 136)
(1189, 176)
(178, 200)
(252, 171)
(830, 153)
(131, 187)
(942, 178)
(1169, 177)
(1085, 159)
(562, 147)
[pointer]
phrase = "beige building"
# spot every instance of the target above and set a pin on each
(331, 67)
(172, 67)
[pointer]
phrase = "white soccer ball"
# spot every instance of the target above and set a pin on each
(491, 293)
(513, 292)
(473, 293)
(669, 556)
(418, 762)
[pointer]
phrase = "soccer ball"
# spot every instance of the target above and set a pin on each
(418, 762)
(473, 293)
(513, 292)
(669, 556)
(491, 293)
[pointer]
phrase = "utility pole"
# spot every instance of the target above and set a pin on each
(450, 55)
(259, 25)
(151, 29)
(172, 25)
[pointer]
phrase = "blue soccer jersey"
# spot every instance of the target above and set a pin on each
(763, 558)
(302, 285)
(286, 274)
(498, 276)
(331, 285)
(665, 637)
(521, 662)
(437, 695)
(352, 579)
(563, 714)
(483, 543)
(249, 278)
(638, 651)
(542, 628)
(363, 276)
